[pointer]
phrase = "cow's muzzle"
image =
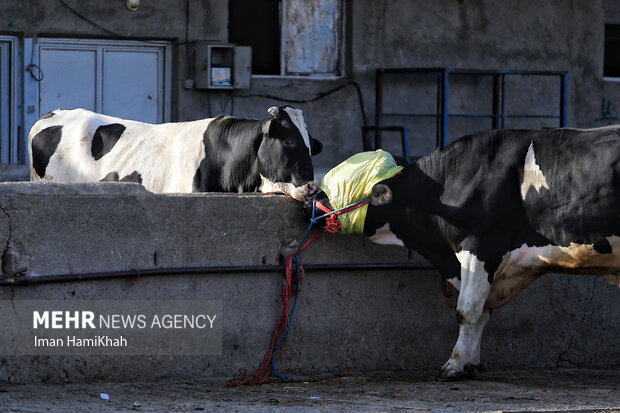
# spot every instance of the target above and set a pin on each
(300, 193)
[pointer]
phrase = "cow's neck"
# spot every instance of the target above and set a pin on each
(417, 218)
(231, 162)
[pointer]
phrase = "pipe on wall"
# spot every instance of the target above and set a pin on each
(16, 279)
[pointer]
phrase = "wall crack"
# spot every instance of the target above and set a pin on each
(5, 250)
(561, 361)
(10, 257)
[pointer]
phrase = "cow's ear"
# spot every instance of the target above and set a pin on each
(316, 147)
(274, 111)
(380, 195)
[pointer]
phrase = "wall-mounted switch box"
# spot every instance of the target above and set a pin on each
(222, 66)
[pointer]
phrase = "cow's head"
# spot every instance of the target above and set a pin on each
(380, 195)
(285, 154)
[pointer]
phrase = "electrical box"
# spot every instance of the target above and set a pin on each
(222, 66)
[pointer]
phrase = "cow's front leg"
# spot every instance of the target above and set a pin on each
(472, 317)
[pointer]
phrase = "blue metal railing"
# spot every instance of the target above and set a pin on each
(498, 113)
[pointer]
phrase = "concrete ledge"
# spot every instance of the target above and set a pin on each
(58, 228)
(361, 320)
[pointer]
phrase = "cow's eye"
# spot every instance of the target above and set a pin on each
(288, 142)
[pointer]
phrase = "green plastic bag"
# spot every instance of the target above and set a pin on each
(352, 181)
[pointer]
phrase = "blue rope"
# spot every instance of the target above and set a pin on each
(290, 320)
(313, 220)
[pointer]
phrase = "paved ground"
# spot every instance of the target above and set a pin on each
(560, 390)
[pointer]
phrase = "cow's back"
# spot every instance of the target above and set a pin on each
(565, 183)
(573, 192)
(82, 146)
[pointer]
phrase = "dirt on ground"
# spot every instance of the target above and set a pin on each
(559, 390)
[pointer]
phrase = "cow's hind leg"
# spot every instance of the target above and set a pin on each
(472, 318)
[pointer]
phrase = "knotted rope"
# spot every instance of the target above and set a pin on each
(292, 265)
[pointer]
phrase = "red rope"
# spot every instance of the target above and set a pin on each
(260, 375)
(322, 207)
(352, 207)
(332, 224)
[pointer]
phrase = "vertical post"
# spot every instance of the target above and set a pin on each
(438, 111)
(31, 90)
(378, 106)
(502, 100)
(5, 104)
(405, 143)
(563, 80)
(444, 110)
(496, 103)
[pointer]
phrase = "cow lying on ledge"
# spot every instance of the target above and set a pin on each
(222, 154)
(496, 210)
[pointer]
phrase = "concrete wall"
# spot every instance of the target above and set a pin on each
(552, 35)
(524, 34)
(364, 320)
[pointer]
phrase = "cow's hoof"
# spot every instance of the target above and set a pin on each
(449, 375)
(469, 371)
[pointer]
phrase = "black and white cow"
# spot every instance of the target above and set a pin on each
(496, 210)
(222, 154)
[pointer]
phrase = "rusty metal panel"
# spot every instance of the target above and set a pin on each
(312, 36)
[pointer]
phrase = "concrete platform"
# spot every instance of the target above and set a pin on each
(560, 390)
(357, 316)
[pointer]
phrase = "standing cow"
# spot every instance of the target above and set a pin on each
(496, 210)
(222, 154)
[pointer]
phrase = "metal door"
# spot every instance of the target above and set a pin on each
(132, 84)
(70, 79)
(9, 144)
(127, 79)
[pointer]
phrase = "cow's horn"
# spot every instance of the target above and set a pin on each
(273, 111)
